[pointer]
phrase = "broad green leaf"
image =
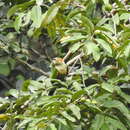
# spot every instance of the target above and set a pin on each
(27, 18)
(75, 127)
(127, 50)
(106, 2)
(88, 23)
(125, 96)
(72, 14)
(18, 7)
(36, 15)
(63, 121)
(65, 91)
(53, 127)
(105, 69)
(125, 16)
(118, 105)
(78, 94)
(109, 28)
(75, 47)
(102, 21)
(39, 2)
(116, 19)
(105, 126)
(92, 48)
(24, 122)
(123, 62)
(92, 106)
(4, 68)
(116, 124)
(4, 117)
(97, 122)
(14, 93)
(18, 22)
(67, 116)
(72, 38)
(111, 38)
(51, 29)
(75, 109)
(51, 14)
(105, 45)
(1, 4)
(108, 87)
(35, 85)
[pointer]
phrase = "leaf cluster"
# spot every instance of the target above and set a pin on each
(95, 92)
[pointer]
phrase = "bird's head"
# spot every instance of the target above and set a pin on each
(57, 61)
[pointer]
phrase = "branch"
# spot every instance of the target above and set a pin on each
(33, 68)
(67, 55)
(75, 58)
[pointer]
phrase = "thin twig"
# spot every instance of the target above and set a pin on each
(33, 68)
(75, 58)
(67, 55)
(73, 65)
(83, 78)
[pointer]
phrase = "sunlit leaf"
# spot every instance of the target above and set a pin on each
(98, 122)
(92, 48)
(67, 116)
(73, 38)
(105, 45)
(51, 14)
(75, 109)
(108, 87)
(36, 15)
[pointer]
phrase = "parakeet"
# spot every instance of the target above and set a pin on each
(58, 68)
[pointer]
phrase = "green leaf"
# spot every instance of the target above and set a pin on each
(72, 14)
(127, 50)
(24, 122)
(105, 45)
(116, 19)
(18, 7)
(39, 2)
(27, 18)
(118, 105)
(125, 96)
(93, 49)
(75, 47)
(106, 2)
(53, 127)
(92, 106)
(18, 22)
(51, 29)
(97, 122)
(14, 93)
(125, 16)
(72, 38)
(75, 109)
(63, 121)
(4, 68)
(67, 116)
(108, 87)
(105, 127)
(88, 23)
(105, 69)
(51, 14)
(116, 124)
(36, 15)
(78, 94)
(102, 21)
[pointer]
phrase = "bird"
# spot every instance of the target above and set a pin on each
(59, 68)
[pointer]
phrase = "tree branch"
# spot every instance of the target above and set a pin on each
(33, 68)
(75, 58)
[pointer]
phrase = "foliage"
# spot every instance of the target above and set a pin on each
(95, 92)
